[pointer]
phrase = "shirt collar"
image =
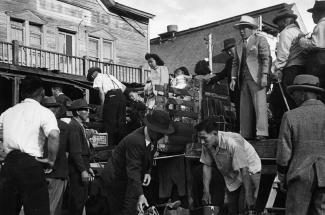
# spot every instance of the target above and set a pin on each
(29, 100)
(61, 93)
(146, 136)
(321, 20)
(221, 140)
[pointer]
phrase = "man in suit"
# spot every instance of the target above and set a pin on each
(58, 178)
(250, 70)
(61, 98)
(301, 149)
(80, 173)
(130, 165)
(230, 50)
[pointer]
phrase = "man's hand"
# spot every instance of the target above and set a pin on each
(146, 180)
(206, 198)
(232, 84)
(264, 81)
(45, 161)
(142, 201)
(249, 200)
(92, 174)
(85, 177)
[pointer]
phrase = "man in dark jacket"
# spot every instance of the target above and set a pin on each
(130, 165)
(80, 173)
(61, 98)
(230, 49)
(57, 179)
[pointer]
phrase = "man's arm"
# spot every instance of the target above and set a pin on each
(247, 186)
(316, 39)
(264, 55)
(53, 145)
(207, 175)
(101, 94)
(284, 148)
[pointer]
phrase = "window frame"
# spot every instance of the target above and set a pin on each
(101, 41)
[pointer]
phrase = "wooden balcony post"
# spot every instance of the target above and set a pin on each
(141, 74)
(15, 52)
(85, 65)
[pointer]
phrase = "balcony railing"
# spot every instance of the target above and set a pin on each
(14, 53)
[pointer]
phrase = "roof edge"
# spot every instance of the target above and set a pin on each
(227, 20)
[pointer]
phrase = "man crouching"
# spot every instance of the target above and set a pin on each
(237, 161)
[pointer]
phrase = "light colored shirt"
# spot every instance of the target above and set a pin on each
(233, 154)
(107, 82)
(289, 52)
(25, 127)
(180, 81)
(146, 136)
(317, 39)
(159, 76)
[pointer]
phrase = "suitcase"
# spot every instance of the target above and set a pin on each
(205, 210)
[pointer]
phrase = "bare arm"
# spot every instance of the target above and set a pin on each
(53, 145)
(207, 175)
(101, 96)
(247, 187)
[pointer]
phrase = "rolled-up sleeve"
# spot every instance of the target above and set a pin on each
(48, 122)
(206, 157)
(284, 148)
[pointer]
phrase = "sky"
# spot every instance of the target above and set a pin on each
(192, 13)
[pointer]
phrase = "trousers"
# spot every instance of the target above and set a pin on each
(56, 190)
(253, 110)
(22, 183)
(78, 193)
(114, 115)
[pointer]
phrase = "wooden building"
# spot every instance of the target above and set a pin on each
(60, 39)
(186, 48)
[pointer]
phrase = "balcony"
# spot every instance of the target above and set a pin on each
(20, 55)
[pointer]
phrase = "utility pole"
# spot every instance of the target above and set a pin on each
(210, 48)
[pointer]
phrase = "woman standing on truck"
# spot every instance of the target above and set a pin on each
(159, 76)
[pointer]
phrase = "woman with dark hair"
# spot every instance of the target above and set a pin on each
(159, 76)
(202, 68)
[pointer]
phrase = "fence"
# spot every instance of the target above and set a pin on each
(21, 55)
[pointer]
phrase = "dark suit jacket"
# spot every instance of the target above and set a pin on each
(60, 169)
(63, 100)
(225, 73)
(130, 160)
(79, 156)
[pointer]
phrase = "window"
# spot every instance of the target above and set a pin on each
(35, 36)
(66, 43)
(17, 30)
(100, 49)
(107, 51)
(93, 48)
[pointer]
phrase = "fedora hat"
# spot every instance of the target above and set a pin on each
(247, 20)
(79, 104)
(284, 13)
(318, 6)
(159, 121)
(305, 82)
(50, 102)
(228, 43)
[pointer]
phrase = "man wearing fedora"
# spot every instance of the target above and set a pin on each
(57, 179)
(230, 50)
(301, 149)
(80, 173)
(250, 71)
(130, 165)
(290, 61)
(317, 39)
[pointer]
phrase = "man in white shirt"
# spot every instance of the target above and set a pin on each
(112, 101)
(25, 127)
(237, 161)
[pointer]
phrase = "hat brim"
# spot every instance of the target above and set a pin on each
(277, 18)
(245, 24)
(169, 130)
(227, 48)
(292, 88)
(79, 108)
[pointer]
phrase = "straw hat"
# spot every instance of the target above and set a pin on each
(305, 82)
(247, 20)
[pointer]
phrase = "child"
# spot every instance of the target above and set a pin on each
(181, 76)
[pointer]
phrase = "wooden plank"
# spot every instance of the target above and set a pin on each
(217, 96)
